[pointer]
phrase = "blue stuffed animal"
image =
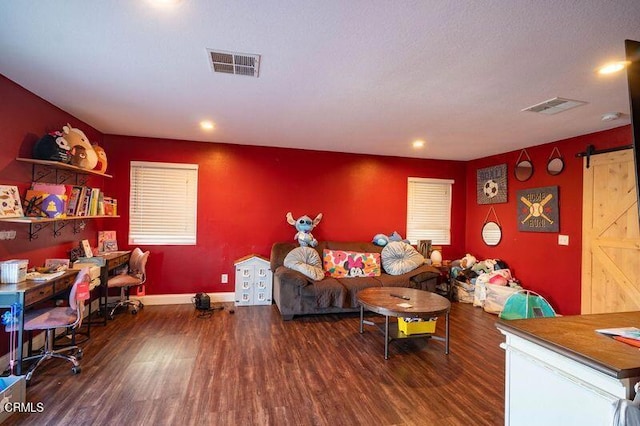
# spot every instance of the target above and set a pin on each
(304, 225)
(382, 240)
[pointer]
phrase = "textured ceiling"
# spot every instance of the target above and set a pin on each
(363, 76)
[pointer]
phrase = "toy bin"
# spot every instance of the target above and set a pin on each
(12, 389)
(417, 327)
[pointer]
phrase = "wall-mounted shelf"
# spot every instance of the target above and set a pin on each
(37, 224)
(62, 172)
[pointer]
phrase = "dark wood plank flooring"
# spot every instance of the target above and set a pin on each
(167, 366)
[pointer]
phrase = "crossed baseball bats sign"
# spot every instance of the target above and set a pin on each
(537, 209)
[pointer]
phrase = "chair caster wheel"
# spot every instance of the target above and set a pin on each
(79, 354)
(76, 369)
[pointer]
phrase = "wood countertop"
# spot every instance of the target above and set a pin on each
(576, 338)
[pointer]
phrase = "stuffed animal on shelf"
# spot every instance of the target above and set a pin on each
(79, 157)
(77, 140)
(53, 147)
(304, 225)
(102, 159)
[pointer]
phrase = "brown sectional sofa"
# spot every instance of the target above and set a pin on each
(295, 294)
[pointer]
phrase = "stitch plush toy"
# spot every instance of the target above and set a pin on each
(304, 225)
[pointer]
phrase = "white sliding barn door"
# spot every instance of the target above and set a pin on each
(610, 235)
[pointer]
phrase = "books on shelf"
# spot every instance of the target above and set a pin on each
(73, 198)
(110, 206)
(11, 205)
(45, 200)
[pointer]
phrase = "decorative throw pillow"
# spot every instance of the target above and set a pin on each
(399, 258)
(306, 261)
(344, 264)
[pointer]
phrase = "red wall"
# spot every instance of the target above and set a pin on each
(536, 259)
(245, 192)
(24, 118)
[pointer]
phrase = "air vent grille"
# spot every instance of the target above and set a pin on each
(554, 106)
(234, 63)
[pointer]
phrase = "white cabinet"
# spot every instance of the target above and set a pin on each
(554, 383)
(254, 281)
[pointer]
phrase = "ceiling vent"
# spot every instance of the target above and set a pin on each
(234, 63)
(554, 106)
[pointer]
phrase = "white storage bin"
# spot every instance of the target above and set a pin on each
(13, 271)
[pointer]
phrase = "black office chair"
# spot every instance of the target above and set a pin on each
(48, 319)
(135, 276)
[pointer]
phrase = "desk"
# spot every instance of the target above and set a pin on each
(108, 262)
(29, 293)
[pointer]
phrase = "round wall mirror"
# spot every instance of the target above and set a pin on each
(491, 234)
(555, 166)
(524, 170)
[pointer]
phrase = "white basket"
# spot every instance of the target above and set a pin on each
(13, 271)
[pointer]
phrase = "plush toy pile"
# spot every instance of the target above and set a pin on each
(486, 284)
(73, 147)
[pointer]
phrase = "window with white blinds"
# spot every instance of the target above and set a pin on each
(429, 210)
(163, 203)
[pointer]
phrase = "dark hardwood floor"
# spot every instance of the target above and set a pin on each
(168, 366)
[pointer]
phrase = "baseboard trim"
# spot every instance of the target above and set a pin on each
(181, 299)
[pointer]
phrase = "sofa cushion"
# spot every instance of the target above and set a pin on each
(306, 261)
(343, 264)
(327, 293)
(354, 285)
(399, 258)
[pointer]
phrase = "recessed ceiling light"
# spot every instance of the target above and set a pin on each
(418, 144)
(612, 67)
(165, 3)
(207, 125)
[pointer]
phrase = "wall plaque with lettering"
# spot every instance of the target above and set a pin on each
(491, 185)
(538, 209)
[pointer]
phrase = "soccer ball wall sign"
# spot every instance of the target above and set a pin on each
(490, 188)
(491, 185)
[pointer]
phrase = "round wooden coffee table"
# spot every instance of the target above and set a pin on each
(403, 302)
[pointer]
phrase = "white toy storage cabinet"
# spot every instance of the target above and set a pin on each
(253, 281)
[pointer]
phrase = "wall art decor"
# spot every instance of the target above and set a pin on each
(538, 209)
(10, 205)
(491, 185)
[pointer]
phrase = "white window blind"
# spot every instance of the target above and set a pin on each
(429, 210)
(163, 203)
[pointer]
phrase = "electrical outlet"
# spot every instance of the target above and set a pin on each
(224, 278)
(563, 240)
